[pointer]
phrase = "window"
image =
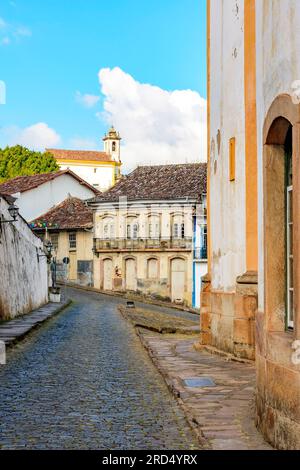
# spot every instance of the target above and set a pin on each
(135, 231)
(153, 227)
(132, 228)
(176, 231)
(114, 146)
(108, 228)
(182, 231)
(289, 236)
(95, 170)
(72, 240)
(54, 240)
(105, 231)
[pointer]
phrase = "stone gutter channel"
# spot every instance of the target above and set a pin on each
(15, 330)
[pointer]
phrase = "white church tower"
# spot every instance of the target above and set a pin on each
(112, 142)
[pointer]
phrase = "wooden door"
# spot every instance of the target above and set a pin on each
(177, 280)
(130, 275)
(107, 274)
(73, 266)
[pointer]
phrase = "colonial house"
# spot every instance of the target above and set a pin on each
(36, 194)
(69, 226)
(144, 232)
(23, 264)
(251, 294)
(100, 169)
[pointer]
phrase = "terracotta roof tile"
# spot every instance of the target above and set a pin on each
(20, 184)
(70, 214)
(61, 154)
(160, 182)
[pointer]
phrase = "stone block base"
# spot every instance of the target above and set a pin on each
(228, 319)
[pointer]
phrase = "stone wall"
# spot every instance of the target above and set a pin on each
(24, 281)
(228, 319)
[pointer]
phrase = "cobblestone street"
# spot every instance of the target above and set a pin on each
(84, 381)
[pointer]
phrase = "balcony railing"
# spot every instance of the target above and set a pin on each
(140, 244)
(200, 253)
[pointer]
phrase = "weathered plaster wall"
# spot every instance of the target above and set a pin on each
(278, 379)
(227, 120)
(24, 282)
(38, 201)
(159, 288)
(278, 66)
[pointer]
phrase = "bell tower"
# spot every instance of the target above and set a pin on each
(112, 141)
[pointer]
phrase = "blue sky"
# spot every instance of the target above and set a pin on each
(52, 49)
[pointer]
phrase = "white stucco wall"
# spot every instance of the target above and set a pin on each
(102, 179)
(37, 201)
(278, 66)
(24, 283)
(227, 119)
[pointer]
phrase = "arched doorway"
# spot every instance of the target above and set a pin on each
(107, 274)
(277, 321)
(177, 280)
(130, 274)
(278, 225)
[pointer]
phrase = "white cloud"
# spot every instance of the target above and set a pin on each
(10, 32)
(88, 101)
(157, 126)
(38, 136)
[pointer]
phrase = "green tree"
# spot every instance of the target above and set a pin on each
(20, 161)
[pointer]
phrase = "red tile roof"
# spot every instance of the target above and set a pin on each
(70, 214)
(20, 184)
(87, 155)
(160, 182)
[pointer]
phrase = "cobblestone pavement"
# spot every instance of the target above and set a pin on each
(223, 413)
(84, 381)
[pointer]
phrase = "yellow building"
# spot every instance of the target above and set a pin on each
(99, 169)
(251, 295)
(69, 225)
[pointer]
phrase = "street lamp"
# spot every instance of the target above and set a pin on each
(13, 212)
(48, 250)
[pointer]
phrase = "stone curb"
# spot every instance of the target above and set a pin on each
(164, 330)
(15, 330)
(191, 419)
(136, 298)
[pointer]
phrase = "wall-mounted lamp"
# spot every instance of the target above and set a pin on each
(48, 247)
(13, 212)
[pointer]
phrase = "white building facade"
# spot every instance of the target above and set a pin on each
(36, 194)
(100, 169)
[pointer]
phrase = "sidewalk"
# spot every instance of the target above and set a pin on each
(14, 330)
(221, 408)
